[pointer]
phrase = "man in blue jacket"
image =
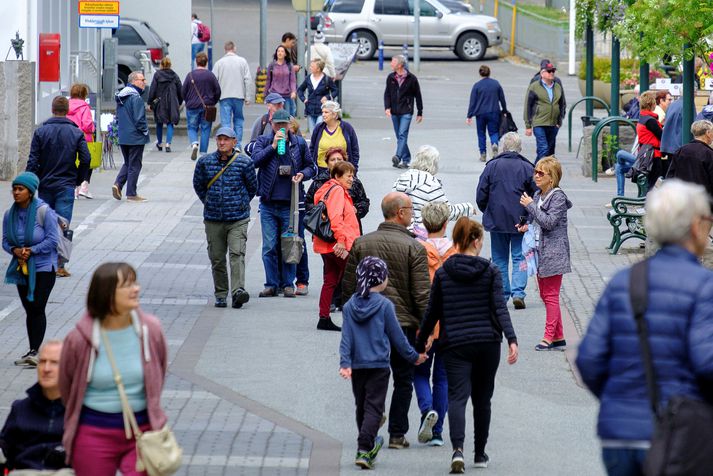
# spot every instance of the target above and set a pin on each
(487, 99)
(505, 178)
(276, 174)
(133, 135)
(225, 182)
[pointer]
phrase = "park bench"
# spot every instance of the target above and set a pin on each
(627, 216)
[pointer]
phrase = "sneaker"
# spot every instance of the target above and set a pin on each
(302, 290)
(326, 324)
(220, 302)
(268, 292)
(84, 190)
(158, 146)
(395, 160)
(240, 297)
(168, 148)
(428, 420)
(610, 171)
(483, 157)
(63, 273)
(116, 192)
(136, 199)
(481, 461)
(288, 292)
(378, 443)
(29, 359)
(559, 344)
(437, 440)
(494, 149)
(362, 460)
(518, 302)
(398, 443)
(403, 165)
(457, 462)
(194, 152)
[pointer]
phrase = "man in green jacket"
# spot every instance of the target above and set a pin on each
(545, 108)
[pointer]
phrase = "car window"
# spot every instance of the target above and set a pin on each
(427, 10)
(126, 35)
(390, 7)
(344, 6)
(154, 36)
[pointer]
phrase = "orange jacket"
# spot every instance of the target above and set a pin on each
(342, 217)
(435, 261)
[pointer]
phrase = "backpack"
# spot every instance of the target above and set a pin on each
(203, 32)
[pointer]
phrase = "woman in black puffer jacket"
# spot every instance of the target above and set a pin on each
(467, 300)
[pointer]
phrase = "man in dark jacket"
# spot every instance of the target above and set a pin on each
(402, 89)
(672, 135)
(507, 176)
(486, 99)
(133, 135)
(408, 288)
(53, 158)
(694, 161)
(32, 435)
(225, 182)
(545, 108)
(200, 89)
(276, 174)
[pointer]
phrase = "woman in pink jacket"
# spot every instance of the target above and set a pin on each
(81, 114)
(94, 436)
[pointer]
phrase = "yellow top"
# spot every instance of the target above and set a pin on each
(327, 141)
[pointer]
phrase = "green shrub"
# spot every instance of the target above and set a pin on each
(602, 67)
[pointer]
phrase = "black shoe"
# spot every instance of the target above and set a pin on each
(481, 461)
(158, 146)
(398, 443)
(240, 297)
(168, 148)
(220, 302)
(326, 324)
(395, 160)
(457, 462)
(559, 344)
(403, 165)
(518, 302)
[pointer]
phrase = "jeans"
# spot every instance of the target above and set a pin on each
(59, 200)
(195, 119)
(471, 374)
(546, 137)
(195, 49)
(401, 123)
(491, 121)
(103, 451)
(333, 272)
(227, 237)
(231, 115)
(624, 162)
(35, 316)
(129, 172)
(503, 248)
(403, 388)
(290, 105)
(369, 387)
(624, 461)
(159, 133)
(550, 294)
(275, 220)
(313, 121)
(436, 399)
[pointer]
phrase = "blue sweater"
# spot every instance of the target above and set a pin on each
(369, 329)
(228, 199)
(44, 238)
(485, 96)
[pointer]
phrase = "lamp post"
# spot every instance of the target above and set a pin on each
(417, 35)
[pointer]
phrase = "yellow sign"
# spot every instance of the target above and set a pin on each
(98, 8)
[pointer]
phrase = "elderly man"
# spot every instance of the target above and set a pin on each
(236, 87)
(408, 288)
(545, 108)
(225, 183)
(402, 89)
(32, 435)
(506, 176)
(680, 329)
(694, 161)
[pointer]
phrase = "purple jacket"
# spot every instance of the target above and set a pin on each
(280, 79)
(206, 83)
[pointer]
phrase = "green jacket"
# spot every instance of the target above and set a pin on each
(539, 111)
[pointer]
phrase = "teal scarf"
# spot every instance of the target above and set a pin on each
(13, 275)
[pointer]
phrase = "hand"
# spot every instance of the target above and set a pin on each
(469, 121)
(17, 252)
(293, 95)
(512, 353)
(323, 100)
(340, 251)
(419, 119)
(247, 102)
(297, 178)
(388, 112)
(422, 358)
(278, 135)
(521, 228)
(296, 68)
(528, 132)
(346, 373)
(429, 342)
(525, 199)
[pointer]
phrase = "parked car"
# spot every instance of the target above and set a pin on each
(316, 19)
(135, 36)
(469, 35)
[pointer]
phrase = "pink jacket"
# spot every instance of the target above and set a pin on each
(77, 363)
(80, 113)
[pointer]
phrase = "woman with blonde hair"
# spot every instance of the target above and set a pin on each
(320, 88)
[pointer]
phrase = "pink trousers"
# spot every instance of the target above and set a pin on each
(550, 294)
(103, 451)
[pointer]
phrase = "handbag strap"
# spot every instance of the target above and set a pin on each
(217, 176)
(294, 207)
(638, 294)
(197, 91)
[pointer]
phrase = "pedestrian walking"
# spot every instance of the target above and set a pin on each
(225, 183)
(165, 99)
(133, 136)
(289, 41)
(281, 79)
(407, 289)
(466, 299)
(201, 91)
(504, 179)
(487, 100)
(197, 44)
(333, 131)
(30, 235)
(320, 88)
(545, 108)
(402, 89)
(56, 147)
(547, 215)
(263, 124)
(81, 114)
(370, 329)
(236, 87)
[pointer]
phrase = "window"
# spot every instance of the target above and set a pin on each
(427, 10)
(390, 7)
(126, 35)
(345, 6)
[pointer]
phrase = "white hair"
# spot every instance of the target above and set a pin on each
(511, 142)
(426, 159)
(700, 128)
(133, 76)
(332, 106)
(671, 209)
(48, 343)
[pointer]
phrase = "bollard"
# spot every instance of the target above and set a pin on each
(404, 51)
(381, 55)
(354, 40)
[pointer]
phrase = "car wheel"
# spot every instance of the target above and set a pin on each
(367, 44)
(471, 46)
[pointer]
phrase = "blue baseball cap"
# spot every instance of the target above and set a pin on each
(274, 98)
(226, 131)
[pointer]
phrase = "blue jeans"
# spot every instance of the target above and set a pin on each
(274, 220)
(491, 121)
(159, 132)
(401, 123)
(129, 172)
(624, 161)
(290, 105)
(60, 200)
(623, 461)
(438, 398)
(546, 137)
(503, 247)
(195, 119)
(313, 121)
(231, 115)
(195, 49)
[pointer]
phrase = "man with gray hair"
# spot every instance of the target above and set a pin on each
(236, 87)
(694, 161)
(402, 89)
(506, 176)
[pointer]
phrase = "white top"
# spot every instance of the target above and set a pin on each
(315, 81)
(194, 32)
(234, 77)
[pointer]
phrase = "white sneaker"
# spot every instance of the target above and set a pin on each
(610, 171)
(84, 190)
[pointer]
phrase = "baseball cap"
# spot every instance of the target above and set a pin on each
(546, 64)
(280, 116)
(226, 131)
(274, 98)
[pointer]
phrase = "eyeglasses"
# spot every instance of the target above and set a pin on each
(539, 173)
(551, 71)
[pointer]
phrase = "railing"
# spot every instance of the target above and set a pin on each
(85, 69)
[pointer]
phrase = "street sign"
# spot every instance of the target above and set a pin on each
(98, 8)
(98, 21)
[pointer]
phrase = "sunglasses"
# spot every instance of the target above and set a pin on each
(550, 70)
(539, 173)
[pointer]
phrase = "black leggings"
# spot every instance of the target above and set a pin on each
(36, 320)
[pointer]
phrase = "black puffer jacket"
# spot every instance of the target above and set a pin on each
(467, 299)
(357, 192)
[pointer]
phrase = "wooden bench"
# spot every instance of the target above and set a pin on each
(627, 217)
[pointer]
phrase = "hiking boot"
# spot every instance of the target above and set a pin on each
(268, 292)
(136, 199)
(457, 462)
(326, 324)
(428, 420)
(240, 297)
(288, 292)
(437, 440)
(302, 290)
(84, 190)
(483, 157)
(395, 160)
(220, 302)
(116, 192)
(518, 302)
(398, 443)
(194, 152)
(481, 461)
(362, 460)
(29, 359)
(63, 273)
(378, 443)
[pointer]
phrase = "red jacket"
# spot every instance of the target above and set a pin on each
(342, 217)
(648, 132)
(77, 363)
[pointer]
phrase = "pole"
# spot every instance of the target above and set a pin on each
(381, 55)
(615, 78)
(300, 54)
(643, 77)
(417, 35)
(212, 34)
(512, 28)
(572, 41)
(99, 90)
(589, 78)
(263, 33)
(495, 9)
(308, 51)
(688, 93)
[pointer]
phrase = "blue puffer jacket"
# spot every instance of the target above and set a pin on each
(266, 160)
(680, 332)
(228, 199)
(131, 114)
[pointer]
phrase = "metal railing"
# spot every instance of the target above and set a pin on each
(85, 69)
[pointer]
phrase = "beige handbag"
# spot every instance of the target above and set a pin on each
(157, 452)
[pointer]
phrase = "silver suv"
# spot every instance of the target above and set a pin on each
(135, 36)
(468, 34)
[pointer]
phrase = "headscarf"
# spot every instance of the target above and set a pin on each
(371, 272)
(14, 274)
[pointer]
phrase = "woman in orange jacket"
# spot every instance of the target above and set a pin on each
(345, 226)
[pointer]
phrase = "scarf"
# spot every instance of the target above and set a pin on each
(13, 275)
(371, 272)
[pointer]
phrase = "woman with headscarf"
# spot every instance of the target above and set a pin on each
(30, 233)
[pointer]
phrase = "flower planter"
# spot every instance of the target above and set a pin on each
(602, 90)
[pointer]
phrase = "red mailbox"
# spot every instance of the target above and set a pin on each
(49, 57)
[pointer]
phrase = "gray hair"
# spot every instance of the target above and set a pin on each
(434, 215)
(426, 159)
(48, 343)
(400, 59)
(671, 209)
(229, 46)
(511, 142)
(133, 75)
(332, 106)
(701, 127)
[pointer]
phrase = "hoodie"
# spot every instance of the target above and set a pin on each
(81, 114)
(369, 329)
(131, 114)
(165, 96)
(467, 300)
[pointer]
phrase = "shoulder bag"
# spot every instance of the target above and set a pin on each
(316, 220)
(157, 452)
(217, 176)
(210, 112)
(291, 243)
(682, 443)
